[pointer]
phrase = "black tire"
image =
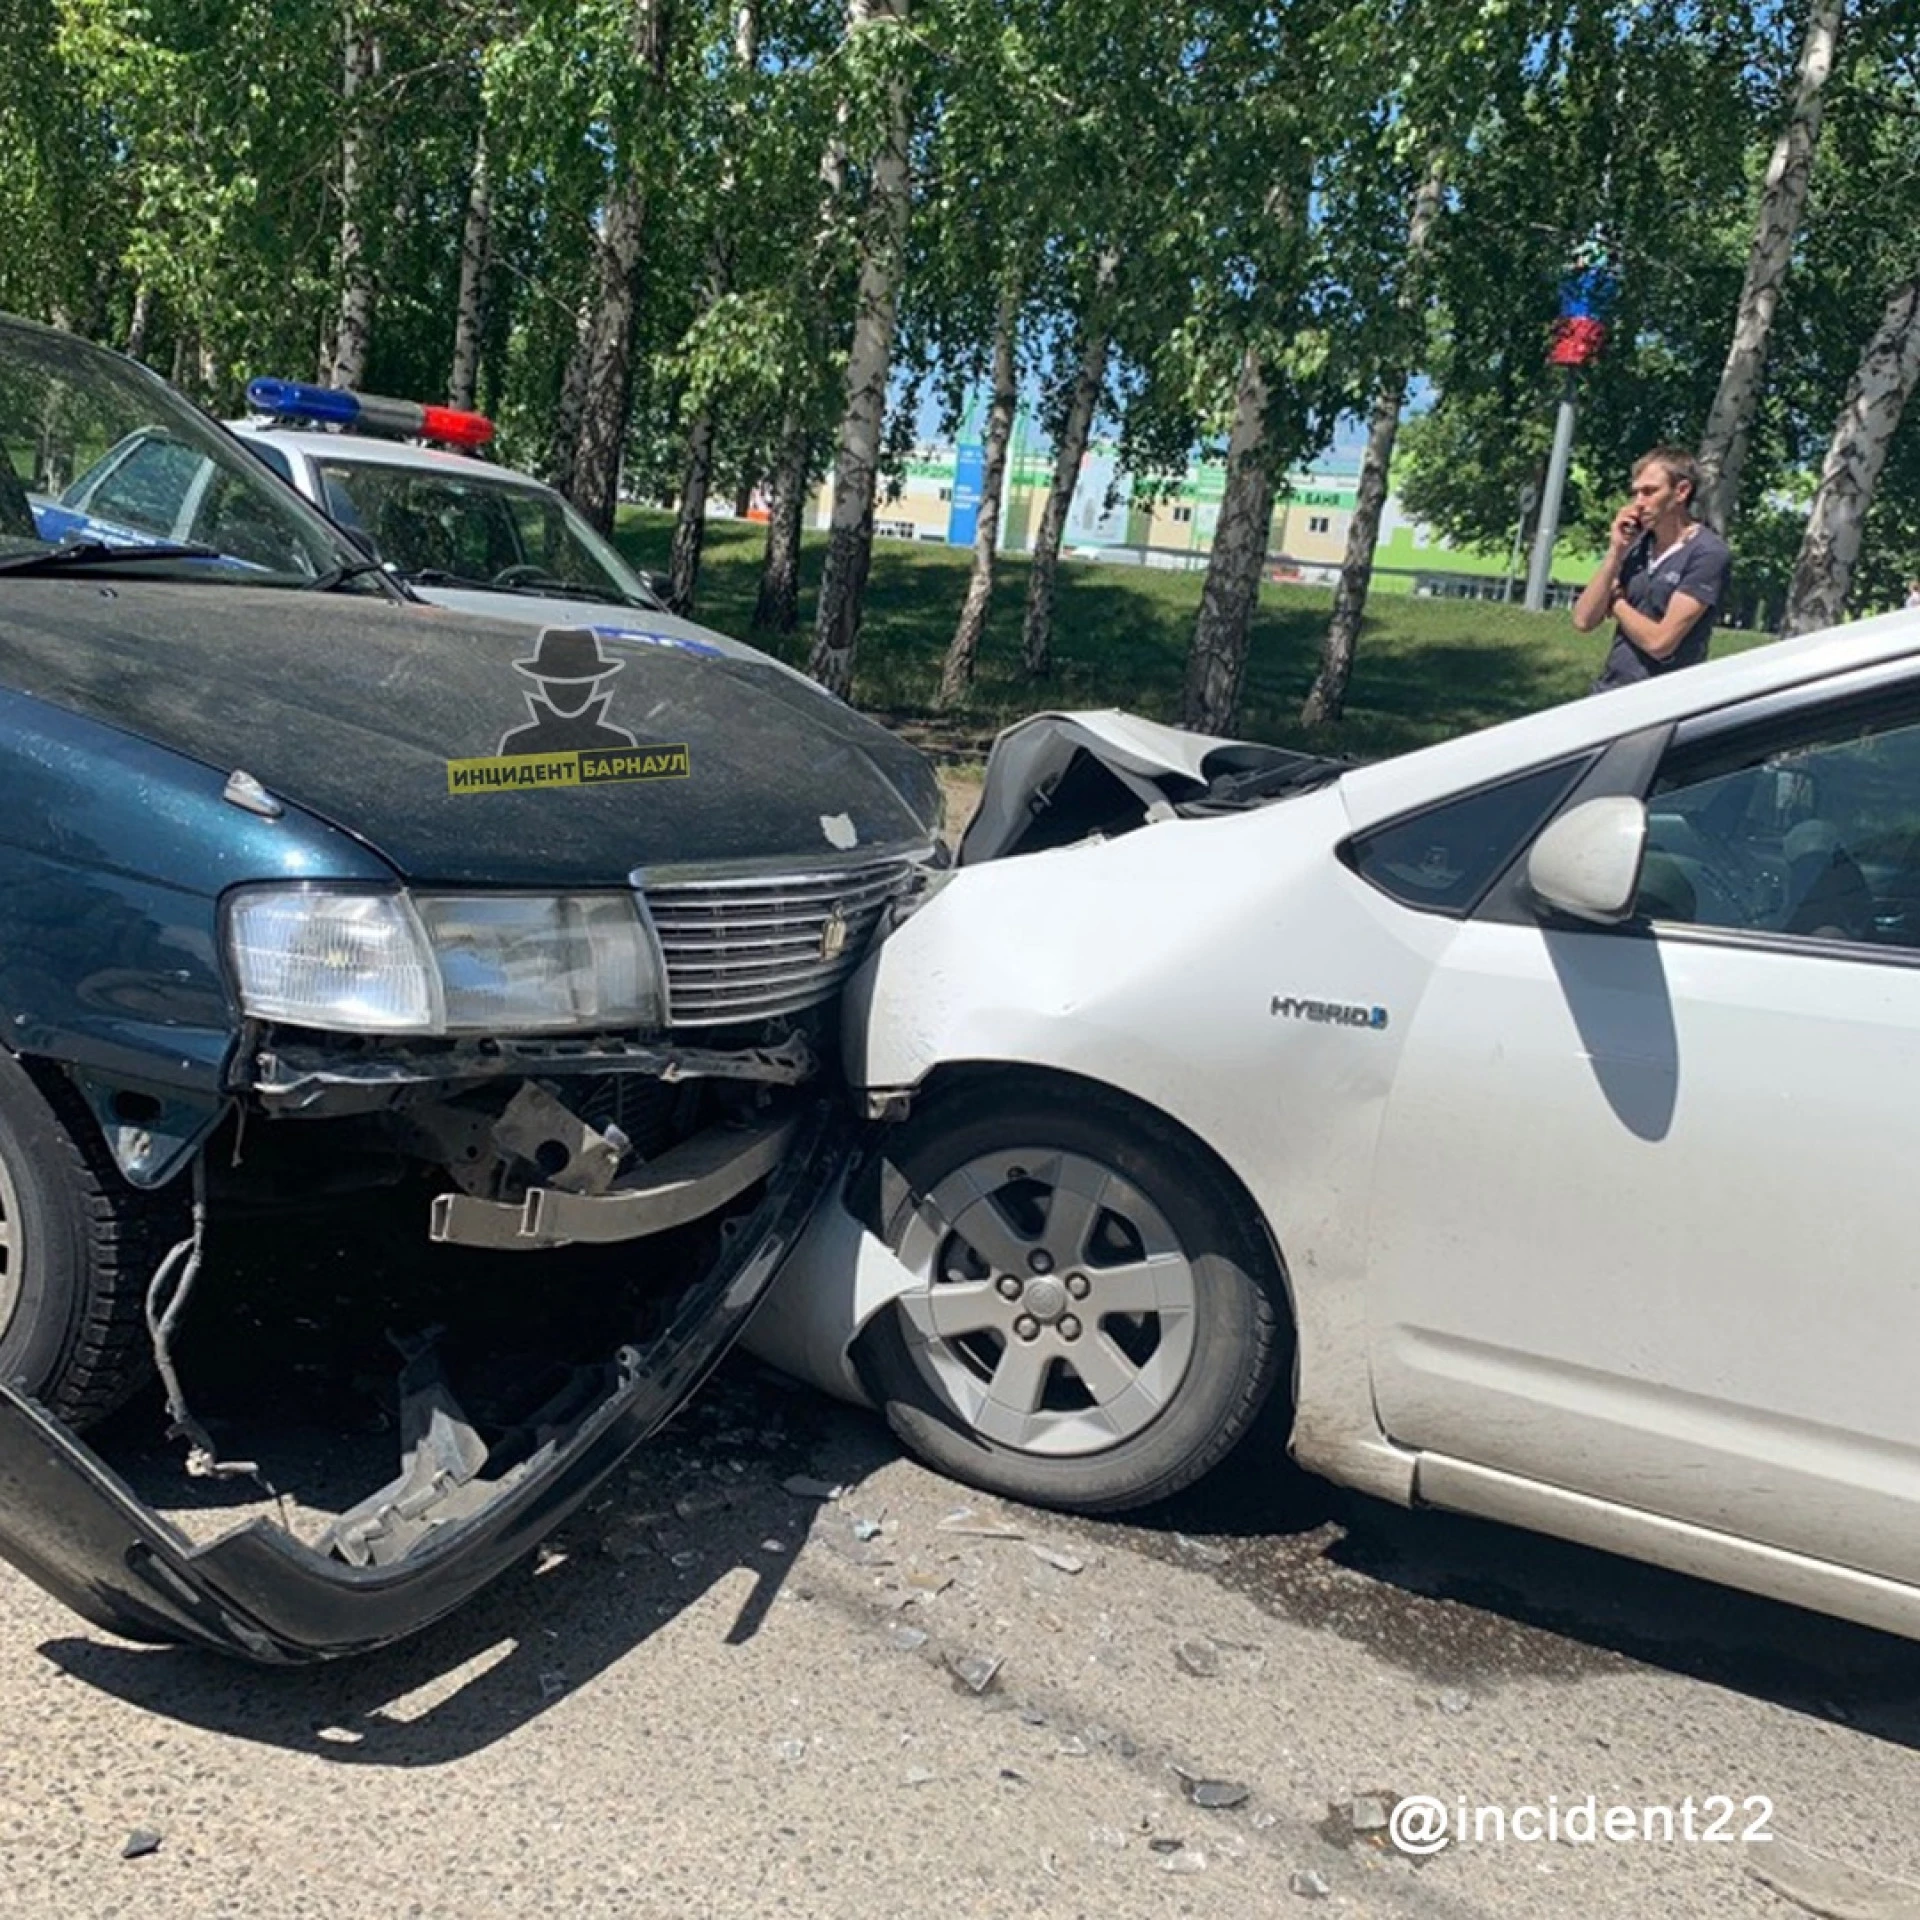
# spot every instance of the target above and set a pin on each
(1131, 1202)
(77, 1249)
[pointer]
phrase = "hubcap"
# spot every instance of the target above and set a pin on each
(1090, 1342)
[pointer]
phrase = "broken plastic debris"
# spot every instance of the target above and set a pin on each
(1220, 1794)
(1455, 1700)
(1187, 1860)
(976, 1671)
(1073, 1747)
(140, 1842)
(918, 1777)
(805, 1487)
(907, 1639)
(339, 1736)
(964, 1520)
(1057, 1558)
(1202, 1550)
(771, 1545)
(791, 1750)
(866, 1529)
(1368, 1814)
(1199, 1657)
(552, 1685)
(1309, 1883)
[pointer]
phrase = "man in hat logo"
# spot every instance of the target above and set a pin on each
(569, 711)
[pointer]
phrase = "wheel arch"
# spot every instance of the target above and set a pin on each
(1010, 1078)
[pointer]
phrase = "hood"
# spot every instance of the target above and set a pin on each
(609, 617)
(354, 710)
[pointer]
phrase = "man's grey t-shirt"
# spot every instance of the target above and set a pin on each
(1698, 567)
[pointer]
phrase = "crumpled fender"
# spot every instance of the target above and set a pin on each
(72, 1526)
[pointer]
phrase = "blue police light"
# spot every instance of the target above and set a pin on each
(336, 406)
(293, 400)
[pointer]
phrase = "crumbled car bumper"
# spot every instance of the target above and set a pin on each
(418, 1548)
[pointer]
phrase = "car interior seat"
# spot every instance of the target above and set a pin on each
(1827, 893)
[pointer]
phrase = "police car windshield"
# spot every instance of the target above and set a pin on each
(102, 461)
(440, 526)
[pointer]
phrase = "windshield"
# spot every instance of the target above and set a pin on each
(102, 464)
(444, 527)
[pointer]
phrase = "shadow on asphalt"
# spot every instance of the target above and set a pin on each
(1454, 1602)
(699, 1508)
(1467, 1603)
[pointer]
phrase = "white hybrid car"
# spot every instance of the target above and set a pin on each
(1537, 1110)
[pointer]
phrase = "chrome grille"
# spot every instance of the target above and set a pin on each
(749, 946)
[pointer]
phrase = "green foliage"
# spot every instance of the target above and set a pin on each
(1187, 176)
(1427, 668)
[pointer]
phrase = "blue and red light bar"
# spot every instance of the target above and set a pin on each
(338, 407)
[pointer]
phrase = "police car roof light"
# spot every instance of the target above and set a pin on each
(336, 406)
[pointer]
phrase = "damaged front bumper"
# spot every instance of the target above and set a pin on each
(441, 1530)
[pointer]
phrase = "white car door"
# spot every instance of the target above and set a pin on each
(1644, 1220)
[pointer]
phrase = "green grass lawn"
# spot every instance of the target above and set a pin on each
(1426, 668)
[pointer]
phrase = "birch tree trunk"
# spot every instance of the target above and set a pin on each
(140, 322)
(683, 569)
(604, 353)
(1217, 658)
(605, 358)
(777, 605)
(836, 634)
(1036, 631)
(690, 523)
(469, 322)
(776, 609)
(1877, 395)
(572, 403)
(1327, 699)
(956, 674)
(1783, 198)
(351, 337)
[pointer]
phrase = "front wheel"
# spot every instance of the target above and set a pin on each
(77, 1248)
(1096, 1320)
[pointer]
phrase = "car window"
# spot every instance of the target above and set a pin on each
(270, 456)
(1807, 827)
(148, 487)
(1444, 858)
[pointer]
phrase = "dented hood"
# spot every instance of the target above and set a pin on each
(353, 709)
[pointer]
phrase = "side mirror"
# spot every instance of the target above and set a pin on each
(1588, 862)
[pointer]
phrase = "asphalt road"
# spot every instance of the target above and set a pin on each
(722, 1693)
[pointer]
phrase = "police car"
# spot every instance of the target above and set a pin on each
(458, 530)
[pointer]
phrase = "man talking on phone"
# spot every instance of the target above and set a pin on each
(1664, 577)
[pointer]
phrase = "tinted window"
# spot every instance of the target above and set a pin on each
(269, 455)
(1446, 857)
(1807, 827)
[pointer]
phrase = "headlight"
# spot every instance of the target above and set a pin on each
(351, 962)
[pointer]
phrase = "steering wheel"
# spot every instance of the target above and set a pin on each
(522, 575)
